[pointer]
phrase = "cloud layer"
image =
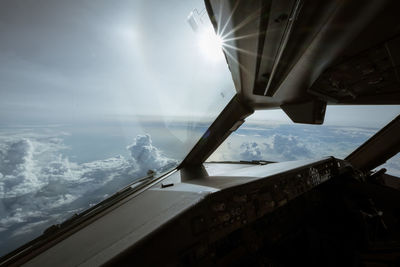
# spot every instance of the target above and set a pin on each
(290, 142)
(293, 142)
(39, 186)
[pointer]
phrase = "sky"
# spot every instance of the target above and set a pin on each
(85, 60)
(89, 59)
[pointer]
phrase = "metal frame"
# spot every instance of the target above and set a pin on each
(227, 122)
(378, 149)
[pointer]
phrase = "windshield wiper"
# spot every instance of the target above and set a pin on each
(77, 219)
(258, 162)
(120, 194)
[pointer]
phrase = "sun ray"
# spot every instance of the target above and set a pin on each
(229, 18)
(221, 6)
(240, 49)
(250, 35)
(247, 20)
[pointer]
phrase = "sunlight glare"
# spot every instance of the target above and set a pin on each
(210, 44)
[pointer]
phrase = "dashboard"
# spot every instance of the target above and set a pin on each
(183, 217)
(232, 207)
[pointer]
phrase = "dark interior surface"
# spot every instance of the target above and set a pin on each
(309, 51)
(347, 220)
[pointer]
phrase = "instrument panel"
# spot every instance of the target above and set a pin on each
(185, 216)
(191, 238)
(230, 209)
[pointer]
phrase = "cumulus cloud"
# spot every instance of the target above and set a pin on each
(280, 148)
(251, 151)
(39, 186)
(291, 142)
(290, 148)
(147, 156)
(18, 169)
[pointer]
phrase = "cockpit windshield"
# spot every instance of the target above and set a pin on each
(271, 136)
(96, 94)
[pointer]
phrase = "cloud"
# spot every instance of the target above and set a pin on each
(291, 142)
(27, 228)
(39, 186)
(392, 165)
(290, 148)
(280, 148)
(147, 156)
(251, 151)
(18, 169)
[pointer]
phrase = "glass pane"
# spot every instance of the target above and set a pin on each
(271, 136)
(93, 95)
(392, 166)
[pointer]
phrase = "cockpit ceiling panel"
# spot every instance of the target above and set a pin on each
(290, 52)
(371, 77)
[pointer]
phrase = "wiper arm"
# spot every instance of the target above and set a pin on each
(136, 183)
(258, 162)
(57, 230)
(120, 194)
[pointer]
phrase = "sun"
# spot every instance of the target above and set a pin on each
(210, 44)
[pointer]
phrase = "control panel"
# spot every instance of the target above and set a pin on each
(195, 235)
(229, 209)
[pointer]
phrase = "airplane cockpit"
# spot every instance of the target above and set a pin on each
(305, 59)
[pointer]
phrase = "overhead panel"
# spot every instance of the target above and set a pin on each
(290, 31)
(371, 77)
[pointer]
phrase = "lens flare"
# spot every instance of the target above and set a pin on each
(210, 44)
